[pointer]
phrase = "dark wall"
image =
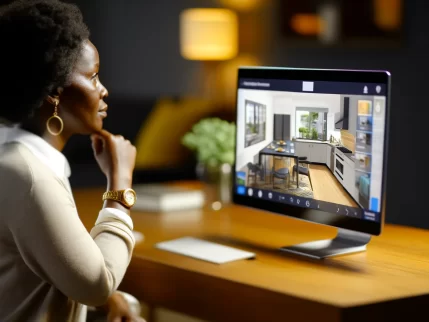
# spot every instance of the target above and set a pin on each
(409, 66)
(139, 47)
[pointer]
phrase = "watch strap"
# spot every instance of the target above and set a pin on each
(116, 195)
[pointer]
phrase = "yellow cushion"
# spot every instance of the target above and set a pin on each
(158, 142)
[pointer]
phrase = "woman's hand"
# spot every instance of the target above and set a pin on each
(116, 157)
(118, 310)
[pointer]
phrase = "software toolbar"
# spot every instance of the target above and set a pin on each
(311, 203)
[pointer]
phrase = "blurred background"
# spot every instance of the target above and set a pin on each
(167, 66)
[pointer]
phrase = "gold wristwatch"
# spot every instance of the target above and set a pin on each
(126, 197)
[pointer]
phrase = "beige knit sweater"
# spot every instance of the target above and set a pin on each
(50, 266)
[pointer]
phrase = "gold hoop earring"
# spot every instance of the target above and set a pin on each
(55, 116)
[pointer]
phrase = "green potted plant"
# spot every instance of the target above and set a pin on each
(213, 141)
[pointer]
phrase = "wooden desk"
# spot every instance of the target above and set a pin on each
(388, 282)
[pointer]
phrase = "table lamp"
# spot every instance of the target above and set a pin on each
(241, 5)
(209, 35)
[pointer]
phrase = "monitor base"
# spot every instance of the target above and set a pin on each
(345, 242)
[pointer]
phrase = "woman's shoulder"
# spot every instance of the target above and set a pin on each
(26, 181)
(14, 165)
(18, 166)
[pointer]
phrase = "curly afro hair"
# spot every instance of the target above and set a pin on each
(40, 43)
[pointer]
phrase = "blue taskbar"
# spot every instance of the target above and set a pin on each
(311, 203)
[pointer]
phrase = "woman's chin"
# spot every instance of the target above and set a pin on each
(94, 127)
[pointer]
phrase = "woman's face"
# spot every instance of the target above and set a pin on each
(81, 105)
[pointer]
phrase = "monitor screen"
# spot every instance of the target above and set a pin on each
(312, 144)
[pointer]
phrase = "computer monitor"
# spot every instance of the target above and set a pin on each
(312, 144)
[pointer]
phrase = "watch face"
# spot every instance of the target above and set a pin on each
(130, 197)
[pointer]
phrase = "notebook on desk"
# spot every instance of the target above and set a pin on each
(204, 250)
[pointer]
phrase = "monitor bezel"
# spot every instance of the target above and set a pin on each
(306, 214)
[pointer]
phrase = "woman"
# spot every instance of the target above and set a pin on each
(51, 268)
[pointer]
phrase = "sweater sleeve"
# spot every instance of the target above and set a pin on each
(86, 267)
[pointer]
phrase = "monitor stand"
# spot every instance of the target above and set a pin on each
(345, 242)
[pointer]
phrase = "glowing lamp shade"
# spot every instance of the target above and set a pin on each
(243, 5)
(208, 34)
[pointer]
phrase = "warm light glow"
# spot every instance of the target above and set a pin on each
(208, 34)
(241, 5)
(388, 14)
(307, 24)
